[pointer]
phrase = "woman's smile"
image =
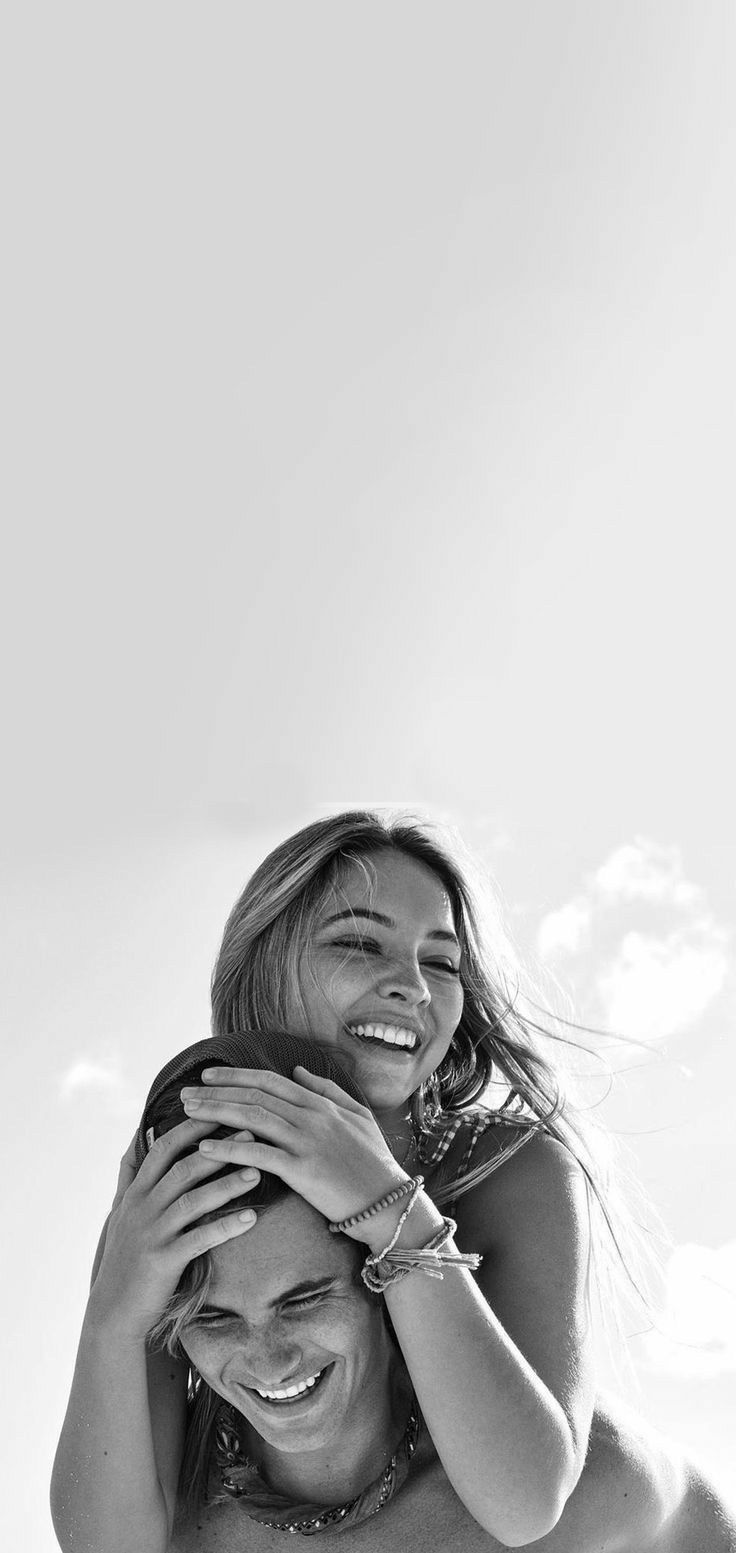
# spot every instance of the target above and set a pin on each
(403, 1039)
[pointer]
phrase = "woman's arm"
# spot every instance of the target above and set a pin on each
(500, 1364)
(116, 1470)
(500, 1361)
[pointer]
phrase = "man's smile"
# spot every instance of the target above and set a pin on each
(287, 1396)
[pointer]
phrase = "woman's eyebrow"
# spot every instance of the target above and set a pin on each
(378, 916)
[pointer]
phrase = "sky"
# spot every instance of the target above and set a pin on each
(367, 391)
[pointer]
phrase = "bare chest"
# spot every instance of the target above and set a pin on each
(425, 1517)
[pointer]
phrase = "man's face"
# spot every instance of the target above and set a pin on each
(287, 1313)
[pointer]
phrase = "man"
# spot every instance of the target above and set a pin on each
(291, 1340)
(305, 1420)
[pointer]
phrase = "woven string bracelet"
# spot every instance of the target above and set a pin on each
(391, 1265)
(408, 1186)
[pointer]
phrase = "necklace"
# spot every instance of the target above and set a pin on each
(428, 1147)
(407, 1158)
(241, 1479)
(396, 1142)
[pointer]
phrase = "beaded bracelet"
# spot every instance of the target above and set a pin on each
(391, 1265)
(416, 1187)
(408, 1186)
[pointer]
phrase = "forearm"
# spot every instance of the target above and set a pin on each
(106, 1495)
(99, 1253)
(503, 1438)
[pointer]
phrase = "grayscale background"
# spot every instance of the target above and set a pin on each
(368, 414)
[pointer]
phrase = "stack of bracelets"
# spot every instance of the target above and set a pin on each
(391, 1264)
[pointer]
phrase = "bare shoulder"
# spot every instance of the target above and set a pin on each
(639, 1483)
(639, 1475)
(700, 1522)
(534, 1181)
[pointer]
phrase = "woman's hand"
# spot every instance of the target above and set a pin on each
(305, 1130)
(155, 1227)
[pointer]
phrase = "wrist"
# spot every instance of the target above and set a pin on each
(106, 1323)
(395, 1190)
(423, 1222)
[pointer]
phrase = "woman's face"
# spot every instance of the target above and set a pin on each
(380, 977)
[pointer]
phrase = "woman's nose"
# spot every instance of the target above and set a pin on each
(404, 980)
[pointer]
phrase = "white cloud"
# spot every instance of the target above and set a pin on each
(656, 987)
(565, 931)
(697, 1335)
(86, 1075)
(649, 952)
(642, 870)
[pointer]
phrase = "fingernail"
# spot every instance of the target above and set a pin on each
(206, 1146)
(192, 1105)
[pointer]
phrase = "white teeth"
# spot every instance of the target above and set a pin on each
(392, 1035)
(290, 1391)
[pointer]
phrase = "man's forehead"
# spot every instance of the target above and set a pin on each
(289, 1244)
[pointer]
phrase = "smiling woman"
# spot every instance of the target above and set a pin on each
(366, 936)
(309, 946)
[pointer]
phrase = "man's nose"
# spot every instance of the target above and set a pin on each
(270, 1358)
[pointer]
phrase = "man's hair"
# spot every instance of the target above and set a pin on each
(265, 1052)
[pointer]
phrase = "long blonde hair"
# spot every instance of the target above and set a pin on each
(498, 1045)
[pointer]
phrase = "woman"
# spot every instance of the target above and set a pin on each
(355, 930)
